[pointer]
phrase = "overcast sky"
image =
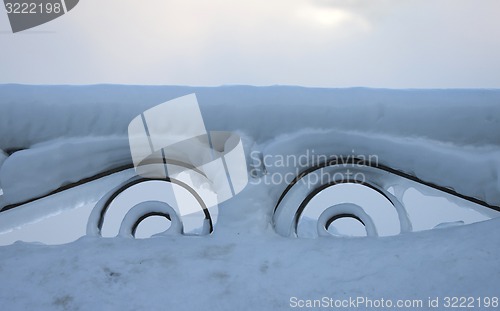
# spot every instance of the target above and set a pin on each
(386, 43)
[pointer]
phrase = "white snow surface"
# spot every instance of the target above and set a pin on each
(449, 137)
(72, 132)
(237, 271)
(33, 172)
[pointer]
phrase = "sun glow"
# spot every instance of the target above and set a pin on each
(332, 17)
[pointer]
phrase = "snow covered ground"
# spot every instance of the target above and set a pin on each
(53, 136)
(234, 270)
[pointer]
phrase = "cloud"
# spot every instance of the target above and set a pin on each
(333, 18)
(386, 43)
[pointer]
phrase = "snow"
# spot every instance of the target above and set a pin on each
(236, 271)
(66, 133)
(126, 228)
(470, 170)
(460, 137)
(67, 213)
(3, 156)
(33, 172)
(154, 191)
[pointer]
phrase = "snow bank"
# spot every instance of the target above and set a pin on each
(41, 113)
(36, 171)
(453, 132)
(470, 170)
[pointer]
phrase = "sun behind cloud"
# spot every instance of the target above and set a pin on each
(332, 18)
